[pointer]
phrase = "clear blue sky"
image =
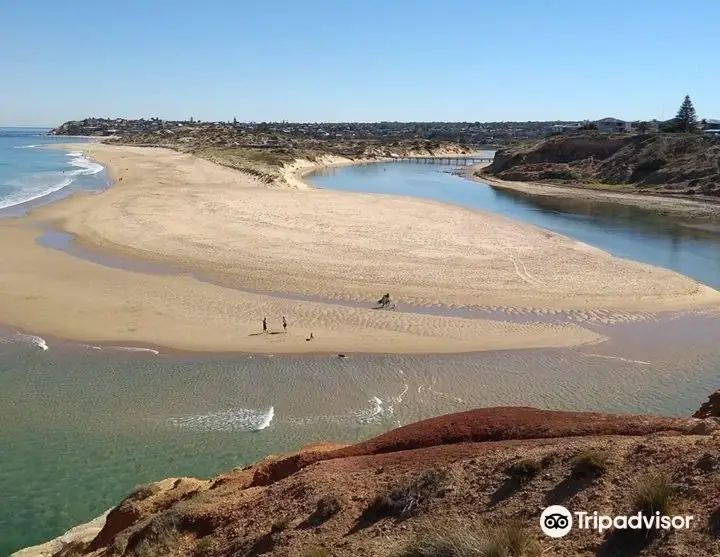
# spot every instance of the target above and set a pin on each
(368, 60)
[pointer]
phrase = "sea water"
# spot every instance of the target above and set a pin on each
(32, 172)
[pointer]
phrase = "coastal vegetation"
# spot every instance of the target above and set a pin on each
(589, 464)
(666, 163)
(466, 539)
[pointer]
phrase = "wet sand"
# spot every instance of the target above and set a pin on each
(265, 246)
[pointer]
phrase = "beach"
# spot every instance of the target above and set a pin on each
(248, 250)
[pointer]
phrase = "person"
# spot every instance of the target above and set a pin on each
(284, 324)
(264, 324)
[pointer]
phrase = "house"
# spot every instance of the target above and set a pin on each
(564, 128)
(711, 127)
(609, 125)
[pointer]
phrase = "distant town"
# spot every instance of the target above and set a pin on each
(463, 133)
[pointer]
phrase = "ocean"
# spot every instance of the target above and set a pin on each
(81, 425)
(31, 173)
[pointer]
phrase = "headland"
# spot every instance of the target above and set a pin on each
(672, 174)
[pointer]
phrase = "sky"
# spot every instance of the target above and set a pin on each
(353, 60)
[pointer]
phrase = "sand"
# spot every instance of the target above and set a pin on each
(681, 206)
(174, 208)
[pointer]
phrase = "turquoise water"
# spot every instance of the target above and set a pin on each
(622, 230)
(80, 427)
(31, 174)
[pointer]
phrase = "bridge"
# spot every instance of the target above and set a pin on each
(456, 160)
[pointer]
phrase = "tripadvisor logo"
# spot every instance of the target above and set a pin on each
(556, 521)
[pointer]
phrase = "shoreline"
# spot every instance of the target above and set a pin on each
(675, 206)
(178, 312)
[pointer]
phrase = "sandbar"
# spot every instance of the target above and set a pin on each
(170, 207)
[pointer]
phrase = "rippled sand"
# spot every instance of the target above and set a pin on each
(264, 246)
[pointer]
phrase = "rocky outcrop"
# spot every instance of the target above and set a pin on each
(711, 408)
(323, 500)
(79, 536)
(665, 163)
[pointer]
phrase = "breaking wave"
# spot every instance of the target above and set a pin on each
(35, 340)
(36, 186)
(377, 411)
(237, 419)
(132, 349)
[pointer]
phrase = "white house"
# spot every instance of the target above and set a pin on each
(608, 125)
(565, 128)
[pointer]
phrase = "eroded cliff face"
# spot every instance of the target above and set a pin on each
(471, 479)
(670, 163)
(711, 408)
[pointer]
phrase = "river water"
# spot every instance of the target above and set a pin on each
(80, 427)
(622, 230)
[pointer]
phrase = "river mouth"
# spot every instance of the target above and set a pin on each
(86, 424)
(691, 249)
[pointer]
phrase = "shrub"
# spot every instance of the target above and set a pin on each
(327, 507)
(653, 493)
(589, 464)
(515, 538)
(203, 546)
(405, 499)
(144, 491)
(160, 537)
(463, 540)
(315, 551)
(446, 542)
(524, 470)
(280, 524)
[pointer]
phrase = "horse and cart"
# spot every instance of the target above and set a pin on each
(385, 302)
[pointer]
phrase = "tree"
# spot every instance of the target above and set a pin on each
(643, 127)
(686, 119)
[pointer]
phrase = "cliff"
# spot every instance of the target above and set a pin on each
(466, 484)
(711, 408)
(659, 163)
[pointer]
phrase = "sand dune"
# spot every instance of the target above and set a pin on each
(175, 208)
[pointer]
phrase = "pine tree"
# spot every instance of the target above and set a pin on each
(686, 119)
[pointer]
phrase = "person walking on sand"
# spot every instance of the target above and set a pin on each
(284, 324)
(264, 324)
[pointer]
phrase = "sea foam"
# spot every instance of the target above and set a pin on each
(35, 340)
(236, 419)
(135, 349)
(36, 186)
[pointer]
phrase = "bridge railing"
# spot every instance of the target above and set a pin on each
(462, 161)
